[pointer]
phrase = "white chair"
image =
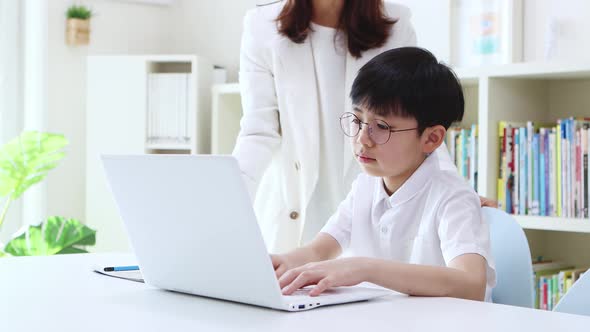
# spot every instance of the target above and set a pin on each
(514, 268)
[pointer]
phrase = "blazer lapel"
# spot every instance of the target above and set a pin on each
(300, 88)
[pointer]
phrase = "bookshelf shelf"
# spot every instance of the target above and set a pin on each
(230, 88)
(554, 224)
(168, 146)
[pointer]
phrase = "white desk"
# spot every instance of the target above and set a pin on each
(61, 293)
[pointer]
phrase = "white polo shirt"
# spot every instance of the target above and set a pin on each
(432, 218)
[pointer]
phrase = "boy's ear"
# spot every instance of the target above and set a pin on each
(432, 138)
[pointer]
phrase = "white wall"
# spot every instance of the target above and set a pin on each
(118, 28)
(212, 29)
(573, 18)
(431, 21)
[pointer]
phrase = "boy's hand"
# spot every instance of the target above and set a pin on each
(326, 274)
(285, 262)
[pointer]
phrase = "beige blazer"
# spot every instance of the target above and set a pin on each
(278, 145)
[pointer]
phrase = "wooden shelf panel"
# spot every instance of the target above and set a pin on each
(226, 88)
(554, 224)
(534, 70)
(168, 146)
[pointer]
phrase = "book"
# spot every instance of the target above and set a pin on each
(535, 207)
(559, 163)
(552, 174)
(586, 174)
(473, 148)
(523, 201)
(516, 162)
(530, 132)
(542, 183)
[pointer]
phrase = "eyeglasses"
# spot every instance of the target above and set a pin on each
(379, 130)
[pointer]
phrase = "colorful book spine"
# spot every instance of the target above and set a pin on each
(578, 175)
(501, 190)
(542, 183)
(523, 171)
(464, 151)
(516, 162)
(559, 172)
(571, 167)
(509, 138)
(585, 180)
(474, 157)
(547, 174)
(564, 174)
(552, 174)
(536, 191)
(530, 134)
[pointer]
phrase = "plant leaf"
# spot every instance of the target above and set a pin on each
(26, 160)
(79, 11)
(56, 235)
(72, 250)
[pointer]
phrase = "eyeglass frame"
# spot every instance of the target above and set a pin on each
(361, 123)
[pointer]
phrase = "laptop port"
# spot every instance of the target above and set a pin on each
(302, 306)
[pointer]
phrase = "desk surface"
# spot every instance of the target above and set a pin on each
(61, 293)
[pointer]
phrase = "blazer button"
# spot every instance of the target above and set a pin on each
(294, 215)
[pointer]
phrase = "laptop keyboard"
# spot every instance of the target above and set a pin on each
(301, 292)
(305, 292)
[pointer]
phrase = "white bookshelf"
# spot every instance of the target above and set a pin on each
(117, 123)
(540, 92)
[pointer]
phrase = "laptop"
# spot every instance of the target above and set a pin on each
(192, 227)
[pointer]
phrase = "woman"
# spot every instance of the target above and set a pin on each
(297, 63)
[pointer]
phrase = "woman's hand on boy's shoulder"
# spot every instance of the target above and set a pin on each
(488, 202)
(325, 274)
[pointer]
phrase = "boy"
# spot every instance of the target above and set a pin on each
(410, 224)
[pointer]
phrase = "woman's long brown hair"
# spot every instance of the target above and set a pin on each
(363, 21)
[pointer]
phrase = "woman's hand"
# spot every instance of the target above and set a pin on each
(325, 274)
(488, 202)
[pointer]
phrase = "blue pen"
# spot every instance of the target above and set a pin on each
(121, 268)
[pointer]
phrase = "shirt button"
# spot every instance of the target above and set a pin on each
(384, 230)
(297, 166)
(294, 215)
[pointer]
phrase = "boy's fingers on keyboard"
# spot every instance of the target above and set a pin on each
(287, 278)
(290, 275)
(303, 279)
(280, 271)
(321, 287)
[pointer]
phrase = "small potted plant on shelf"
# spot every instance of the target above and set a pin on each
(78, 25)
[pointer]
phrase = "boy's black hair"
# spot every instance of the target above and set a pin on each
(409, 82)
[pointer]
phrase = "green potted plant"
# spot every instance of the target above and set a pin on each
(78, 25)
(24, 162)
